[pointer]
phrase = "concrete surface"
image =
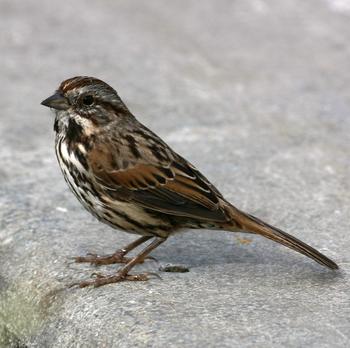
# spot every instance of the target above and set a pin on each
(256, 94)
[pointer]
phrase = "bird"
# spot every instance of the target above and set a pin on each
(130, 179)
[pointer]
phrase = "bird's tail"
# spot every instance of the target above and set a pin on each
(250, 223)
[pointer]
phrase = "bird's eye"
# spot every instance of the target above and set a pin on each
(88, 100)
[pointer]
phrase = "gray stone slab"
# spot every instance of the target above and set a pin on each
(256, 94)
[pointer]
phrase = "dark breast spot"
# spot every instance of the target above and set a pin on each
(55, 126)
(81, 158)
(74, 131)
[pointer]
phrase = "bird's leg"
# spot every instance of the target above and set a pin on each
(117, 257)
(123, 273)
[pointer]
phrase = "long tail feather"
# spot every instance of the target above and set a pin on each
(250, 223)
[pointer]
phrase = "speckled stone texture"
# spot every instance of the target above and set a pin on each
(256, 94)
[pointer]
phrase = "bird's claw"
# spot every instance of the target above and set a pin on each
(100, 279)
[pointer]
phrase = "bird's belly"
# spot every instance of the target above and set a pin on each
(116, 213)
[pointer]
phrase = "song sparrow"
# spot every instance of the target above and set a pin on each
(130, 179)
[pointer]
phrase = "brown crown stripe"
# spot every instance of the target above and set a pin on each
(80, 81)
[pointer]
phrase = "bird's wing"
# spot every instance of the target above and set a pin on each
(159, 180)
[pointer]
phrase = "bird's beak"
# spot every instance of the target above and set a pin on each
(56, 101)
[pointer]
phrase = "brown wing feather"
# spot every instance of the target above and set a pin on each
(174, 187)
(140, 177)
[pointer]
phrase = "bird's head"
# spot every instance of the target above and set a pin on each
(86, 102)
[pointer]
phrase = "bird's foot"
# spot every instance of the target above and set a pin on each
(97, 260)
(117, 257)
(101, 279)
